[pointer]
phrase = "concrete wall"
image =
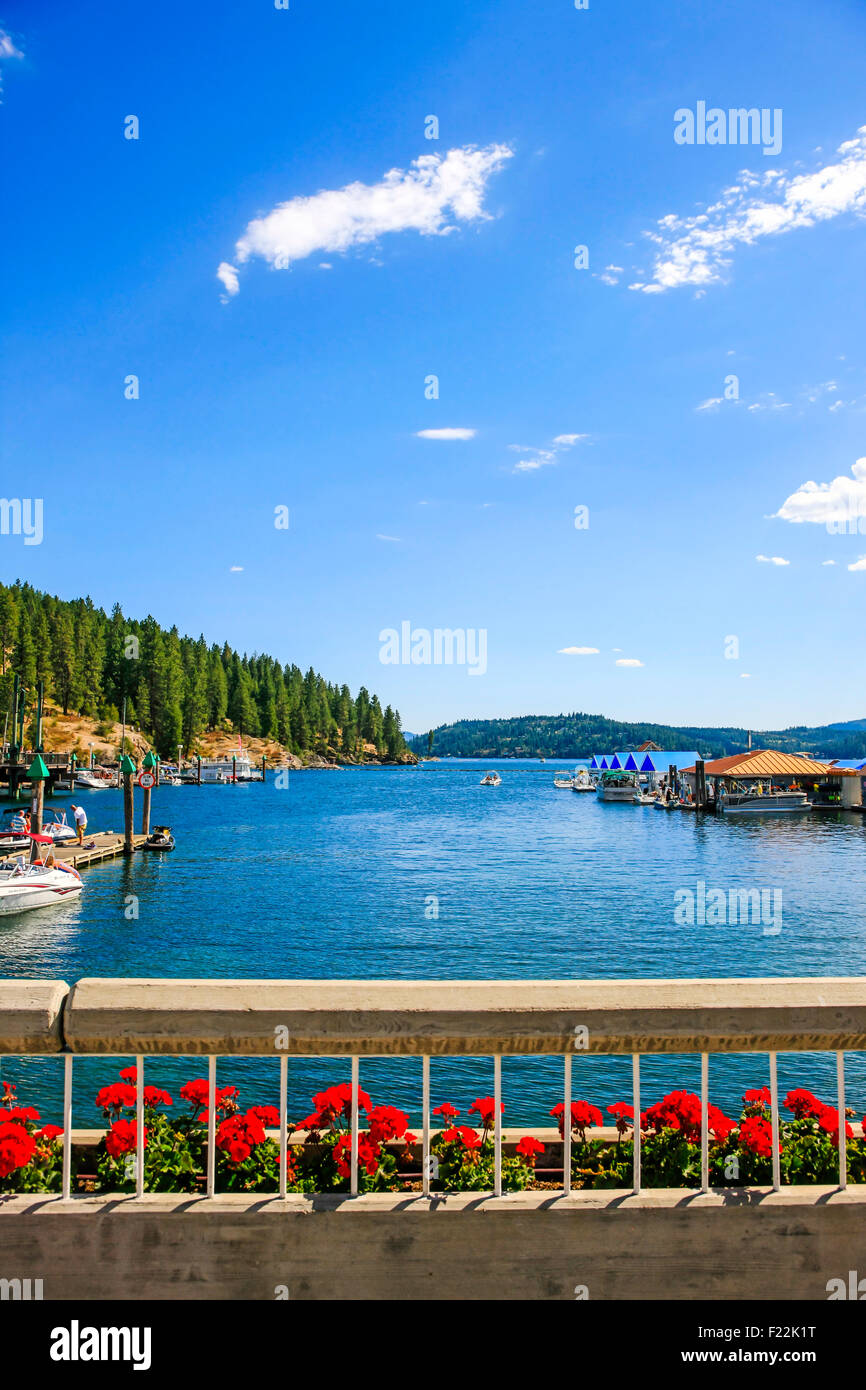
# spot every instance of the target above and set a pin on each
(661, 1245)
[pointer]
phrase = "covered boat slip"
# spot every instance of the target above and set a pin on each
(764, 781)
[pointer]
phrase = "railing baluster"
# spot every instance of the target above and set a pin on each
(211, 1126)
(705, 1122)
(284, 1125)
(497, 1126)
(67, 1126)
(425, 1127)
(774, 1123)
(139, 1126)
(843, 1138)
(635, 1100)
(353, 1169)
(566, 1127)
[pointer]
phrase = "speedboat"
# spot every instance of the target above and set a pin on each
(94, 779)
(619, 786)
(23, 886)
(491, 780)
(582, 782)
(57, 828)
(562, 781)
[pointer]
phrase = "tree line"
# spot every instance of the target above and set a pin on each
(580, 735)
(175, 688)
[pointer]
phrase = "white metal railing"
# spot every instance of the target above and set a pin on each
(391, 1019)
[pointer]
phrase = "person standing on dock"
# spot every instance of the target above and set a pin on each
(80, 822)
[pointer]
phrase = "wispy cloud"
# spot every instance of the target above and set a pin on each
(451, 433)
(7, 50)
(544, 458)
(859, 564)
(432, 197)
(698, 250)
(771, 560)
(837, 501)
(380, 537)
(236, 569)
(628, 661)
(578, 651)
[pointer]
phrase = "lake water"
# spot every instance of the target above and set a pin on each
(332, 877)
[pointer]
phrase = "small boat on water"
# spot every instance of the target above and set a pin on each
(619, 786)
(161, 838)
(581, 781)
(756, 801)
(492, 779)
(94, 779)
(40, 884)
(563, 781)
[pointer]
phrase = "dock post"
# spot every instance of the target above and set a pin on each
(198, 772)
(700, 785)
(264, 763)
(234, 768)
(150, 763)
(672, 780)
(127, 768)
(37, 773)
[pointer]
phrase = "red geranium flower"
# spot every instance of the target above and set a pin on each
(129, 1074)
(759, 1097)
(756, 1135)
(622, 1113)
(386, 1122)
(16, 1147)
(447, 1111)
(718, 1123)
(266, 1114)
(369, 1154)
(469, 1138)
(803, 1104)
(679, 1110)
(485, 1106)
(49, 1132)
(121, 1138)
(154, 1096)
(583, 1117)
(529, 1147)
(116, 1097)
(829, 1121)
(238, 1135)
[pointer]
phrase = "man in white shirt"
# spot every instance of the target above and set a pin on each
(80, 822)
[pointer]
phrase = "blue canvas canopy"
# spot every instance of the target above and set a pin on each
(660, 760)
(648, 765)
(594, 764)
(631, 763)
(615, 762)
(603, 763)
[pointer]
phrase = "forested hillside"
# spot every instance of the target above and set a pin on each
(580, 735)
(177, 687)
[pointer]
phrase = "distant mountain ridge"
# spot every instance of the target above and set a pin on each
(579, 735)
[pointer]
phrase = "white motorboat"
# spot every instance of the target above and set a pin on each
(24, 886)
(619, 786)
(564, 782)
(761, 803)
(582, 782)
(237, 769)
(94, 779)
(57, 828)
(491, 780)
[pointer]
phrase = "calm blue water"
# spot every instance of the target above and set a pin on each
(330, 877)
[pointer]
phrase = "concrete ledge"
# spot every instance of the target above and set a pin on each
(31, 1013)
(662, 1245)
(393, 1018)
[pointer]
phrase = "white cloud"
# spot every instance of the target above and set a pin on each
(610, 275)
(697, 250)
(236, 569)
(446, 434)
(859, 564)
(745, 676)
(836, 501)
(772, 560)
(432, 196)
(229, 277)
(712, 404)
(380, 537)
(578, 651)
(628, 661)
(7, 50)
(544, 458)
(828, 562)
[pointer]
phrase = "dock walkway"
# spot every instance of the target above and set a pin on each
(106, 845)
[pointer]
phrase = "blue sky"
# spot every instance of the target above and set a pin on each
(305, 388)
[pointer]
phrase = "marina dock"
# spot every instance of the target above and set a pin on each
(106, 845)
